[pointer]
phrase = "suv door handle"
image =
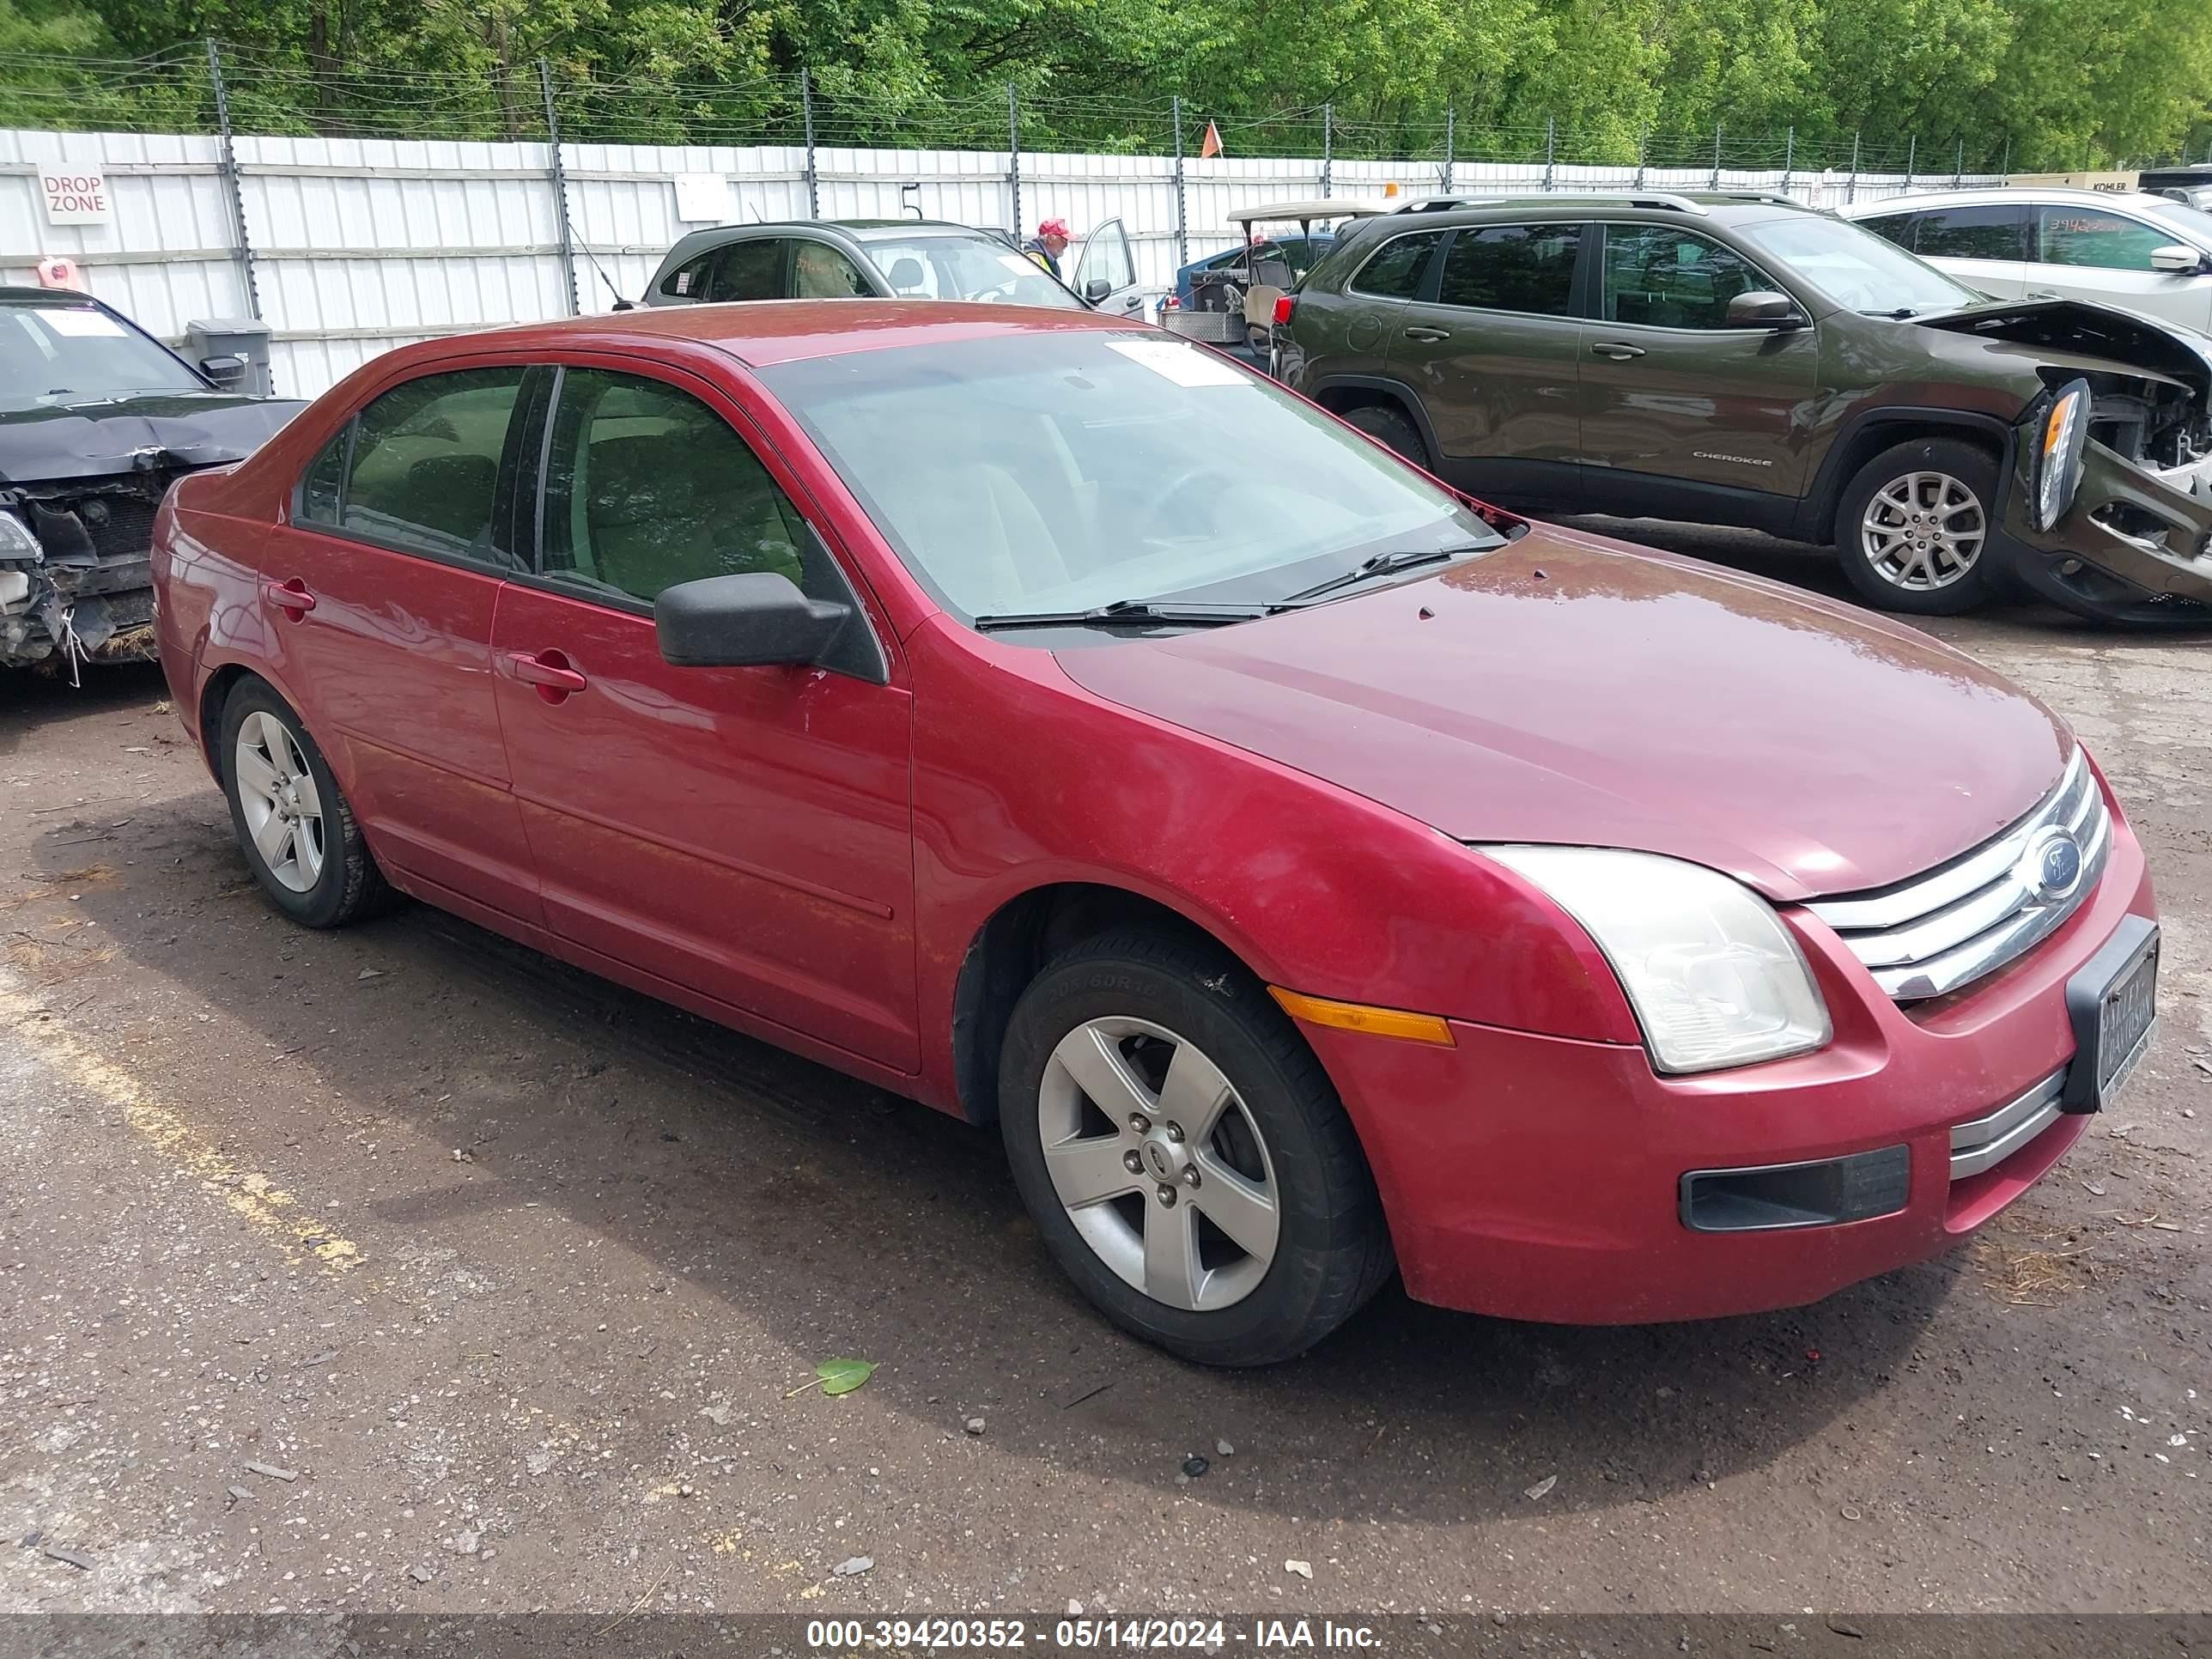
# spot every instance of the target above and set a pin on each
(1619, 351)
(1423, 333)
(548, 671)
(289, 596)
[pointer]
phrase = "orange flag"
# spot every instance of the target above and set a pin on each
(1212, 146)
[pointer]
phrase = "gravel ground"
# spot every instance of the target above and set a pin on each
(402, 1269)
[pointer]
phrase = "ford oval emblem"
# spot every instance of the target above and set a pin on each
(2052, 867)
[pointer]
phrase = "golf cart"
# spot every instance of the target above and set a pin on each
(1234, 305)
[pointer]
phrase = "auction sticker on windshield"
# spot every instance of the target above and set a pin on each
(85, 323)
(1185, 365)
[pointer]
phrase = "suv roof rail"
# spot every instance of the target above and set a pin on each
(1642, 198)
(1769, 197)
(1446, 203)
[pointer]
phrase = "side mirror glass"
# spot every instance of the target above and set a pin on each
(1096, 289)
(228, 372)
(2177, 260)
(1763, 308)
(757, 620)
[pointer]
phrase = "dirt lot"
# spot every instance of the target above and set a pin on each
(513, 1276)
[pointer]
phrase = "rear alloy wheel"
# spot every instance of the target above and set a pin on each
(1183, 1154)
(1913, 528)
(1378, 420)
(294, 823)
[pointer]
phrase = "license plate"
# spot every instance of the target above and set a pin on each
(2113, 1002)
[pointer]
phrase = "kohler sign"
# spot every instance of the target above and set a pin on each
(76, 197)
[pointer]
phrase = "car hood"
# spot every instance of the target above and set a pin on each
(52, 443)
(1569, 689)
(2075, 328)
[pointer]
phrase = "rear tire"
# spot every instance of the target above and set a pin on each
(294, 824)
(1240, 1224)
(1915, 528)
(1388, 426)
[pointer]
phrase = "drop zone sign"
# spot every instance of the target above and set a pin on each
(75, 198)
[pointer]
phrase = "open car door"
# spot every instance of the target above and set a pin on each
(1106, 275)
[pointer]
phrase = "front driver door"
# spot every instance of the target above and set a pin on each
(1107, 259)
(742, 833)
(1684, 416)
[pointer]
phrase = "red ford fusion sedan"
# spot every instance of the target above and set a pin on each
(1312, 873)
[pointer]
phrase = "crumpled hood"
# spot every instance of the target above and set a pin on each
(2078, 329)
(53, 444)
(1570, 689)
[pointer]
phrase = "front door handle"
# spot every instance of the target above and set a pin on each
(291, 597)
(548, 670)
(1619, 351)
(1425, 334)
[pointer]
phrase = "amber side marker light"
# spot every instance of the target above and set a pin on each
(1359, 1017)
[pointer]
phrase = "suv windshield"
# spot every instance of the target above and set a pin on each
(967, 268)
(1857, 268)
(64, 353)
(1063, 470)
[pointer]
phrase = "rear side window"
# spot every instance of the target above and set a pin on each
(1663, 277)
(1529, 268)
(1395, 270)
(747, 270)
(1897, 226)
(423, 468)
(1971, 233)
(688, 279)
(2094, 237)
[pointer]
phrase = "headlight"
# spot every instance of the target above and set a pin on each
(2065, 429)
(1715, 978)
(16, 541)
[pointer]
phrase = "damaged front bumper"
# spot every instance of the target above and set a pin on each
(2135, 545)
(77, 586)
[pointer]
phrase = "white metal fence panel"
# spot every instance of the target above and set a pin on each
(362, 244)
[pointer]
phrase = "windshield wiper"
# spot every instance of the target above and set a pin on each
(1122, 610)
(1383, 564)
(1896, 314)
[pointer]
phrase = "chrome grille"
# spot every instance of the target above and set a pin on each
(1937, 932)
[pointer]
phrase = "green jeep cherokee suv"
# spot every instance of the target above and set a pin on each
(1746, 361)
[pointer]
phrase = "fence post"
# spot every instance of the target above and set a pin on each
(806, 110)
(1717, 155)
(1183, 227)
(558, 175)
(1911, 153)
(1327, 144)
(1450, 137)
(1014, 152)
(1851, 189)
(1551, 151)
(1959, 168)
(1789, 159)
(2004, 167)
(1643, 155)
(230, 174)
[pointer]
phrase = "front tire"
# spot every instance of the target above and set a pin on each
(1184, 1155)
(1915, 526)
(294, 824)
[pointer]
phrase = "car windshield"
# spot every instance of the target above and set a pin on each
(63, 353)
(1855, 268)
(1060, 470)
(967, 268)
(2194, 224)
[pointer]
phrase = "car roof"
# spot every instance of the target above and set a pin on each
(1723, 207)
(761, 333)
(1996, 195)
(47, 296)
(859, 229)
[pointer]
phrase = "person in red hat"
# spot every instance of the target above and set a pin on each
(1048, 244)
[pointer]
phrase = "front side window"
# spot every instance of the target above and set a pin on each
(1894, 227)
(2094, 237)
(1663, 277)
(1528, 268)
(420, 466)
(1056, 470)
(820, 271)
(1972, 233)
(646, 486)
(1396, 270)
(941, 267)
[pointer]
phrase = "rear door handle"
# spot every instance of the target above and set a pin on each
(292, 596)
(1619, 351)
(548, 671)
(1423, 333)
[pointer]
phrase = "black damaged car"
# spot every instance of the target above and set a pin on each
(97, 419)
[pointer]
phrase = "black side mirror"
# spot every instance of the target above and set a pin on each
(1763, 308)
(757, 620)
(228, 372)
(1096, 289)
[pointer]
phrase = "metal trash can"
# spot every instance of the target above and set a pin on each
(210, 341)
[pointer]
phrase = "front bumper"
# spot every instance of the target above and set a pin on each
(1538, 1177)
(2135, 546)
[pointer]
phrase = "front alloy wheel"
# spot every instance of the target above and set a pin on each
(1913, 528)
(1923, 532)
